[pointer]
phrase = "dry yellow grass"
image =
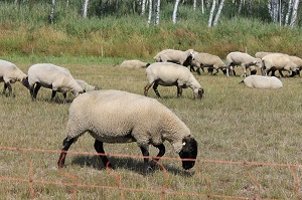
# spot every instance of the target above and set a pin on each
(231, 123)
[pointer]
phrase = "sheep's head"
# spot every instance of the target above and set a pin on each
(258, 62)
(198, 93)
(188, 152)
(24, 82)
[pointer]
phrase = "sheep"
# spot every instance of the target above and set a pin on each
(54, 77)
(175, 56)
(201, 60)
(144, 121)
(10, 73)
(278, 61)
(244, 60)
(261, 54)
(169, 74)
(262, 82)
(298, 61)
(85, 86)
(134, 64)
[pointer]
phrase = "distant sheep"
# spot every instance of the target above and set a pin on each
(278, 61)
(171, 74)
(175, 56)
(85, 86)
(54, 77)
(10, 73)
(133, 64)
(261, 54)
(201, 60)
(298, 61)
(144, 121)
(262, 82)
(244, 60)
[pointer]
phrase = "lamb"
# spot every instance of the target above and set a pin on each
(85, 86)
(201, 60)
(175, 56)
(54, 77)
(144, 121)
(244, 60)
(134, 64)
(10, 73)
(262, 82)
(169, 74)
(278, 61)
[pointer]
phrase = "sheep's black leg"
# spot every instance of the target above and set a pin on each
(36, 90)
(66, 144)
(145, 152)
(179, 91)
(53, 94)
(10, 89)
(98, 145)
(155, 85)
(4, 88)
(147, 87)
(162, 151)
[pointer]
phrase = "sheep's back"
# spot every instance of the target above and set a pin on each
(114, 114)
(262, 82)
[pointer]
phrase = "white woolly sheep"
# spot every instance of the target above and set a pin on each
(85, 86)
(54, 77)
(175, 56)
(134, 64)
(201, 60)
(263, 82)
(171, 74)
(298, 61)
(278, 61)
(10, 73)
(261, 54)
(145, 121)
(244, 60)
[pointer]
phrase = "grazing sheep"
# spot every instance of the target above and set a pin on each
(298, 61)
(85, 86)
(54, 77)
(175, 56)
(261, 54)
(144, 121)
(169, 74)
(134, 64)
(263, 82)
(278, 61)
(243, 59)
(201, 60)
(10, 73)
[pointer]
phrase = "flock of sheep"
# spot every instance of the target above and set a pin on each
(145, 121)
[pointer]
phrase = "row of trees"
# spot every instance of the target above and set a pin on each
(284, 12)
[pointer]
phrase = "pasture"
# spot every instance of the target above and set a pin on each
(231, 123)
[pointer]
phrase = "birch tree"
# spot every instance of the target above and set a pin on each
(52, 12)
(294, 13)
(143, 7)
(157, 12)
(174, 16)
(213, 18)
(85, 8)
(150, 12)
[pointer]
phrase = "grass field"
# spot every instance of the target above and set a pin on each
(231, 123)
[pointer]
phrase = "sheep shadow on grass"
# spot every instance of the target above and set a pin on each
(127, 164)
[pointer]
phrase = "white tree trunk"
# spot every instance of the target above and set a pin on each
(85, 8)
(218, 13)
(289, 9)
(143, 7)
(157, 11)
(294, 13)
(240, 6)
(52, 12)
(194, 4)
(202, 6)
(174, 16)
(67, 3)
(210, 22)
(150, 12)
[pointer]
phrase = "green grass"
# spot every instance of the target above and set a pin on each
(231, 123)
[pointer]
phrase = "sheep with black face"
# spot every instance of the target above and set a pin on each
(112, 116)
